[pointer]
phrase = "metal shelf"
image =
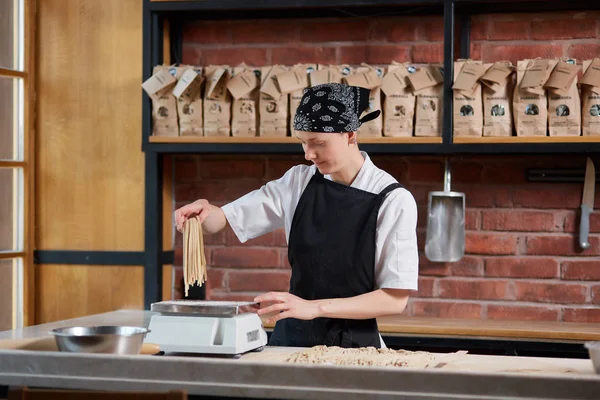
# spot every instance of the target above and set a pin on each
(209, 9)
(475, 5)
(286, 145)
(176, 11)
(384, 145)
(244, 5)
(526, 144)
(517, 6)
(287, 139)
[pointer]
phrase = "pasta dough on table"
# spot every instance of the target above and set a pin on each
(369, 356)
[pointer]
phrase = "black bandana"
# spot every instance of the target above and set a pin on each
(333, 107)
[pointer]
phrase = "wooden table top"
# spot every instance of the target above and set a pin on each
(540, 330)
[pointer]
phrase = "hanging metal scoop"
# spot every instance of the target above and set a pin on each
(445, 241)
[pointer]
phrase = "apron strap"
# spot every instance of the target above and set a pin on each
(339, 328)
(389, 188)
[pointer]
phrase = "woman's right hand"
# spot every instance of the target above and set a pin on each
(199, 209)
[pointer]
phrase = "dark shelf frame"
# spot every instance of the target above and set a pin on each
(154, 13)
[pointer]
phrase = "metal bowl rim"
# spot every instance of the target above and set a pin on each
(65, 331)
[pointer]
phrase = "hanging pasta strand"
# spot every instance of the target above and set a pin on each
(194, 259)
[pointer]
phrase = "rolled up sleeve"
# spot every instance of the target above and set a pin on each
(397, 256)
(260, 211)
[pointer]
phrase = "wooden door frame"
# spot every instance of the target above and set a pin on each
(28, 162)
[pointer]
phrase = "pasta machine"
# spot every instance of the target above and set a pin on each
(206, 327)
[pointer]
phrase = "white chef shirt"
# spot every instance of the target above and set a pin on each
(272, 207)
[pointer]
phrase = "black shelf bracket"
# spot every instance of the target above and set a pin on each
(96, 257)
(465, 35)
(448, 72)
(153, 207)
(558, 175)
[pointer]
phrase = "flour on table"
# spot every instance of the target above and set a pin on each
(369, 356)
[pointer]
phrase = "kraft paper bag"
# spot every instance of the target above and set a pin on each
(497, 91)
(564, 103)
(468, 103)
(217, 101)
(244, 89)
(164, 104)
(371, 78)
(293, 83)
(330, 74)
(399, 101)
(188, 92)
(427, 84)
(273, 104)
(530, 103)
(590, 95)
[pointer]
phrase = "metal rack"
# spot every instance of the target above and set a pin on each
(157, 11)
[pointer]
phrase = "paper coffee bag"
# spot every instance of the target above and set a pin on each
(217, 101)
(564, 103)
(330, 74)
(371, 78)
(468, 104)
(427, 84)
(590, 95)
(273, 104)
(398, 102)
(293, 83)
(530, 104)
(188, 92)
(244, 89)
(497, 91)
(536, 75)
(164, 104)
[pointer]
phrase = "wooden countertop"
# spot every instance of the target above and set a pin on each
(540, 330)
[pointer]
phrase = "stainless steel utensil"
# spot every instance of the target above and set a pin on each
(587, 203)
(594, 352)
(205, 308)
(100, 339)
(445, 240)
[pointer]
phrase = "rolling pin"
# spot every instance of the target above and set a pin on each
(49, 344)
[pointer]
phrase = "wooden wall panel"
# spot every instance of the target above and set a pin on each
(70, 291)
(89, 164)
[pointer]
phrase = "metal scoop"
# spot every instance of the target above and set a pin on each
(445, 241)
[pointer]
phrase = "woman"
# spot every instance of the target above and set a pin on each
(350, 226)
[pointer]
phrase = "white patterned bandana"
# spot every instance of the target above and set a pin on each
(333, 107)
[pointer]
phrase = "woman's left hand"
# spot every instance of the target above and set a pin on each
(287, 305)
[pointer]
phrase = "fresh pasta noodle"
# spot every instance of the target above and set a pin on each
(361, 356)
(194, 259)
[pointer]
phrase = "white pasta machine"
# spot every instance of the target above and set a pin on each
(206, 327)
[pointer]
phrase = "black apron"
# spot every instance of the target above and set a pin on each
(332, 253)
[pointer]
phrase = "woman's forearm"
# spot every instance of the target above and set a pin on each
(215, 221)
(369, 305)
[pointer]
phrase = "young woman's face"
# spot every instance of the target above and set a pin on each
(328, 151)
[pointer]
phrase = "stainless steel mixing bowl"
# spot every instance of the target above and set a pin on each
(100, 339)
(594, 352)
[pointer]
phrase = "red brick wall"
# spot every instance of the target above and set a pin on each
(522, 258)
(381, 40)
